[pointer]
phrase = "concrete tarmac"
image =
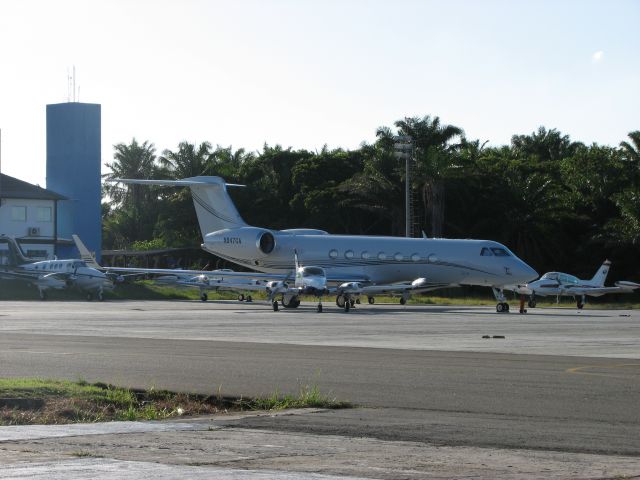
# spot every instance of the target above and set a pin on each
(561, 382)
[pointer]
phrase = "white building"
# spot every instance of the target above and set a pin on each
(28, 213)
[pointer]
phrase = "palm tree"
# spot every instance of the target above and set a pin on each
(378, 188)
(631, 151)
(436, 160)
(130, 161)
(545, 145)
(189, 161)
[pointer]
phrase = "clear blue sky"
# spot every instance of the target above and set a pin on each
(305, 73)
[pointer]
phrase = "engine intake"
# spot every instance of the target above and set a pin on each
(266, 243)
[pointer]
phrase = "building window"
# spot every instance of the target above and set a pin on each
(43, 214)
(19, 214)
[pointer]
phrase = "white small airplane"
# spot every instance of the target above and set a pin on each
(53, 274)
(205, 281)
(363, 261)
(558, 284)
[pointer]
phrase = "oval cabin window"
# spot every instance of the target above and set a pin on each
(333, 253)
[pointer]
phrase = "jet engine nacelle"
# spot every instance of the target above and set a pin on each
(243, 242)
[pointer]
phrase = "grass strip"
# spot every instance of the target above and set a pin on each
(29, 401)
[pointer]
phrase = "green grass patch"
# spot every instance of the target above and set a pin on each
(307, 397)
(27, 401)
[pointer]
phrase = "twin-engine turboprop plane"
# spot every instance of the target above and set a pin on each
(365, 261)
(53, 274)
(558, 284)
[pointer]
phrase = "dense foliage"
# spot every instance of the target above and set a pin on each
(560, 205)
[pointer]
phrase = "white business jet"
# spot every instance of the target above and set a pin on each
(365, 260)
(53, 274)
(558, 284)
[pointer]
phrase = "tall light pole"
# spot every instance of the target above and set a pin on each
(403, 149)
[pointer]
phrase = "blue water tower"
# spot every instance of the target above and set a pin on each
(73, 170)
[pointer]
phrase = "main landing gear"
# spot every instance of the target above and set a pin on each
(345, 302)
(580, 301)
(502, 306)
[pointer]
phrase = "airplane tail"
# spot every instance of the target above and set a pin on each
(214, 207)
(601, 275)
(16, 257)
(85, 254)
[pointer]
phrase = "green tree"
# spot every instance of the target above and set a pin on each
(435, 147)
(190, 160)
(136, 161)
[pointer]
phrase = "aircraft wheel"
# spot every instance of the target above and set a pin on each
(294, 302)
(319, 308)
(204, 297)
(249, 299)
(371, 300)
(274, 304)
(241, 297)
(506, 307)
(499, 307)
(357, 301)
(340, 301)
(580, 305)
(352, 302)
(403, 300)
(532, 303)
(347, 306)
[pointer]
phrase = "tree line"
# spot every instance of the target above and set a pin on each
(558, 204)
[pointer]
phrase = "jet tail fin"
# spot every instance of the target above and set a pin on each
(16, 257)
(601, 275)
(214, 207)
(85, 254)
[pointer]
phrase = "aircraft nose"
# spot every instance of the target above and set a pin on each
(525, 273)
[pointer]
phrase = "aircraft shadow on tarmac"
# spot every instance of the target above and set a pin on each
(431, 309)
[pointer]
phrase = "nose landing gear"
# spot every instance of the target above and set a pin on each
(502, 306)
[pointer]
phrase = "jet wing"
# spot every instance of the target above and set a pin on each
(212, 274)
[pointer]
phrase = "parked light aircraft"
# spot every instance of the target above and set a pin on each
(558, 284)
(202, 280)
(53, 274)
(362, 261)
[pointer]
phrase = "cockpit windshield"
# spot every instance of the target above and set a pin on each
(497, 251)
(313, 272)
